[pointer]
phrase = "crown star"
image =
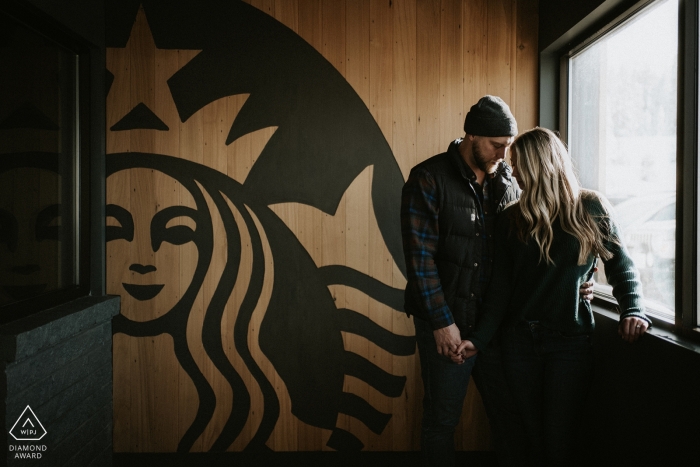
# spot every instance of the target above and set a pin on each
(139, 98)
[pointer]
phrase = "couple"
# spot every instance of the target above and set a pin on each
(497, 285)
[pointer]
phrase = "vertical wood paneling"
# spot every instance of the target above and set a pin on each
(499, 46)
(380, 265)
(310, 19)
(475, 39)
(118, 99)
(404, 108)
(418, 65)
(286, 13)
(357, 47)
(526, 97)
(118, 189)
(404, 114)
(143, 64)
(357, 73)
(452, 120)
(428, 141)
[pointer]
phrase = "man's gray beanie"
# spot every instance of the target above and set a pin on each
(490, 117)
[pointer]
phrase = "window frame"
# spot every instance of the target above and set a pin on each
(554, 113)
(41, 23)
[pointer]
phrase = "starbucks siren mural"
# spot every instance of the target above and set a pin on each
(229, 328)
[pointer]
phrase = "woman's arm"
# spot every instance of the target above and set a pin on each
(623, 276)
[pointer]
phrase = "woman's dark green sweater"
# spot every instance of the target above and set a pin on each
(523, 288)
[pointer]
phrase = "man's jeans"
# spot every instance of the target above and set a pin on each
(507, 427)
(550, 376)
(445, 384)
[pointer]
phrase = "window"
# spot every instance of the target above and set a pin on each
(622, 137)
(43, 164)
(629, 115)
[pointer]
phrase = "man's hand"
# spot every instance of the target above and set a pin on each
(465, 350)
(631, 328)
(447, 339)
(586, 290)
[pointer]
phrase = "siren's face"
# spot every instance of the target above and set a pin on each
(152, 230)
(29, 233)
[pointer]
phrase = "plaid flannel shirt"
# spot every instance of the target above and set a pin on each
(419, 228)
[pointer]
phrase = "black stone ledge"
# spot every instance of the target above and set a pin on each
(655, 332)
(76, 372)
(60, 429)
(64, 401)
(31, 370)
(70, 445)
(90, 449)
(28, 336)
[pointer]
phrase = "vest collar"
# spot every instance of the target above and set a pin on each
(465, 171)
(501, 181)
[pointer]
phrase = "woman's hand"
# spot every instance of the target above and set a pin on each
(631, 328)
(465, 350)
(587, 288)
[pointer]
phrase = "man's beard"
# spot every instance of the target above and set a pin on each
(484, 164)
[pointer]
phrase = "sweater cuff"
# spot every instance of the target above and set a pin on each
(636, 314)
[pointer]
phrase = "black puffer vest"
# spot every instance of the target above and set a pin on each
(459, 225)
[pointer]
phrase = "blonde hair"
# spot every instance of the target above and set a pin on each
(552, 191)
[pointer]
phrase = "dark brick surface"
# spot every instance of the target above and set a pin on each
(91, 449)
(75, 440)
(75, 372)
(59, 362)
(74, 418)
(30, 371)
(74, 395)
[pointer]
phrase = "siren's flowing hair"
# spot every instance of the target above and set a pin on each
(552, 192)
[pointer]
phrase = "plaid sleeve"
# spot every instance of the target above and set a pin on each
(419, 229)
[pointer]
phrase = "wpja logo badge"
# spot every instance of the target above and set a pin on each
(27, 428)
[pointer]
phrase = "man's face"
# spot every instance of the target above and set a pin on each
(489, 151)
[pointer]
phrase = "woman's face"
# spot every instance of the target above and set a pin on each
(151, 241)
(514, 165)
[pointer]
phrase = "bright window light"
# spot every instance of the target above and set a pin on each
(622, 137)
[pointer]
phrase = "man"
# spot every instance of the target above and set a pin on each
(449, 204)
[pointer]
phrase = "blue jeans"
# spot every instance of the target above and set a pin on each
(550, 376)
(445, 386)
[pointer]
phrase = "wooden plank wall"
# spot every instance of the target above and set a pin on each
(418, 65)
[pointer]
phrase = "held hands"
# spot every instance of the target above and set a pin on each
(450, 344)
(447, 339)
(631, 328)
(465, 350)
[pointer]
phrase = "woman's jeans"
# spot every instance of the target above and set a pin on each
(445, 386)
(549, 375)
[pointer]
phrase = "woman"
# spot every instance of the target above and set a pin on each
(548, 245)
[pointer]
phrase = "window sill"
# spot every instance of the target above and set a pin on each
(661, 329)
